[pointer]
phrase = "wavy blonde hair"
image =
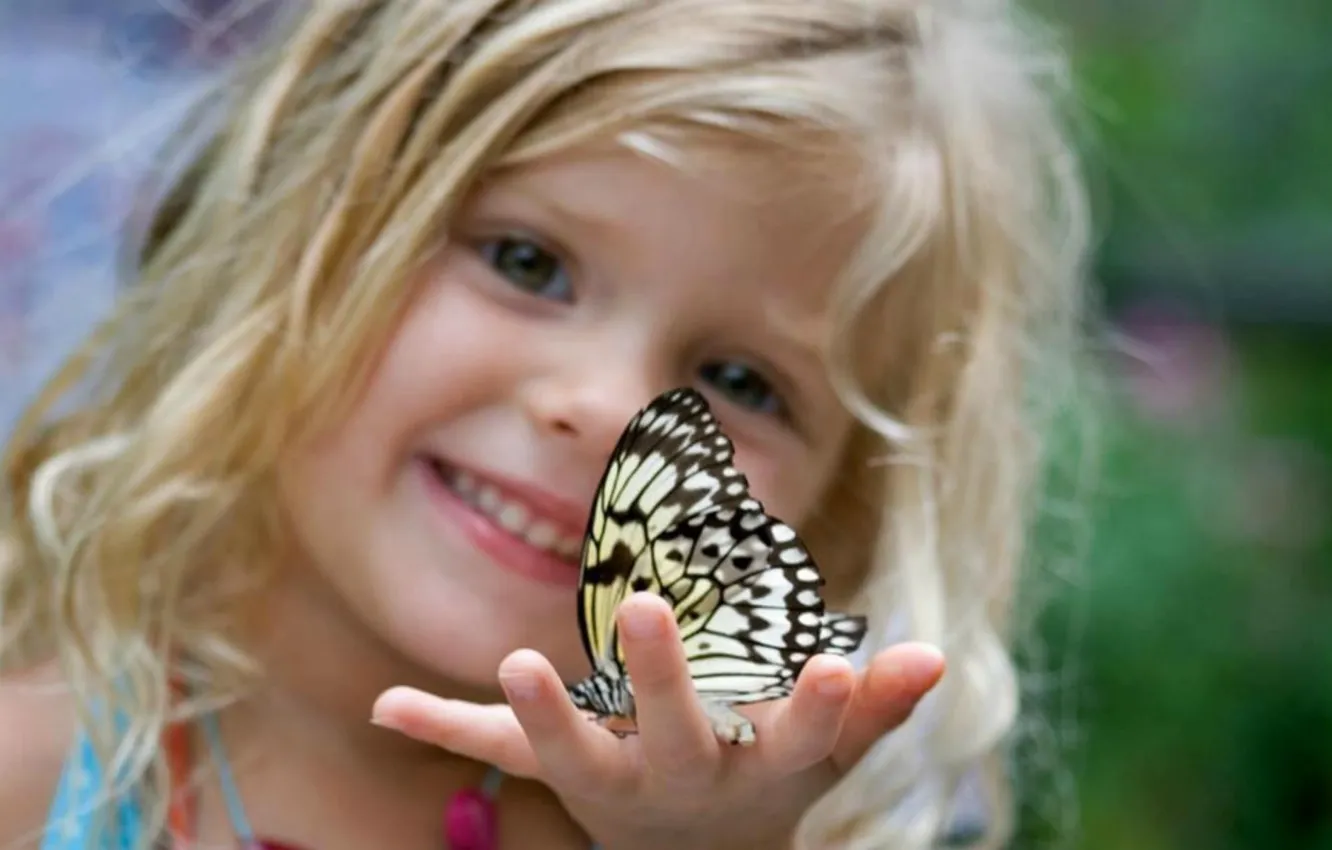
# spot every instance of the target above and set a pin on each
(280, 258)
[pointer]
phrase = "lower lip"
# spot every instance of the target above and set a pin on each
(510, 553)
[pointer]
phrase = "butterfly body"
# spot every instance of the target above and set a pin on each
(674, 517)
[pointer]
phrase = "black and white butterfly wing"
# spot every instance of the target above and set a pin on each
(673, 516)
(671, 463)
(755, 613)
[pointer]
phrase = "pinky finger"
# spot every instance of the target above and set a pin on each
(809, 722)
(489, 734)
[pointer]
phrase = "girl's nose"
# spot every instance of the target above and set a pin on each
(588, 412)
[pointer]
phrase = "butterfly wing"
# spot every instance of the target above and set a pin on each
(750, 608)
(842, 634)
(674, 516)
(672, 462)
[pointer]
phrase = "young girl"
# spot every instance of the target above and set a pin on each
(330, 461)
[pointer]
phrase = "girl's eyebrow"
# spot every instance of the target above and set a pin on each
(805, 340)
(806, 358)
(548, 206)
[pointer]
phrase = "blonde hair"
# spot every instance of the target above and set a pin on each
(280, 259)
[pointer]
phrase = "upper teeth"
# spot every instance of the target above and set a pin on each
(512, 515)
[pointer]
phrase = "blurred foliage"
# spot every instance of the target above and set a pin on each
(1203, 645)
(1206, 129)
(1179, 683)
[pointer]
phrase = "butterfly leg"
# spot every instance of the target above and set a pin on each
(729, 725)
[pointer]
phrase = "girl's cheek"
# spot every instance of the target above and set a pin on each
(780, 482)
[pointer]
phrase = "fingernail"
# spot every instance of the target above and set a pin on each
(644, 624)
(385, 722)
(921, 671)
(520, 687)
(834, 686)
(381, 713)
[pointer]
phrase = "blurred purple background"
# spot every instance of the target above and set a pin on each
(88, 91)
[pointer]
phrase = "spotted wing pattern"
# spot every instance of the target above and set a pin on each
(674, 516)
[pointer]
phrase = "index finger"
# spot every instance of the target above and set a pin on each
(489, 734)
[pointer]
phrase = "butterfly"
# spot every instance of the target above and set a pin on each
(673, 516)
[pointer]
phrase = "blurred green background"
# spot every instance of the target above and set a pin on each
(1180, 675)
(1179, 658)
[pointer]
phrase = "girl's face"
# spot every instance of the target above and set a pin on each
(446, 513)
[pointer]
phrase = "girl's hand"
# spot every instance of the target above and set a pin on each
(674, 784)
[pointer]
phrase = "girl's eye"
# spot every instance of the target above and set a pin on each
(528, 266)
(743, 386)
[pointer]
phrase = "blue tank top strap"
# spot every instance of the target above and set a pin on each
(77, 809)
(80, 797)
(240, 823)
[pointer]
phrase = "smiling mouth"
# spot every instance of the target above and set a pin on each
(510, 513)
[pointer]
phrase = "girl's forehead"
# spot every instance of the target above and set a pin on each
(731, 170)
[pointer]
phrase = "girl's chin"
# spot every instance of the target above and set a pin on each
(465, 644)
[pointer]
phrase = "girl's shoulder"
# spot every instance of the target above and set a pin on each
(37, 724)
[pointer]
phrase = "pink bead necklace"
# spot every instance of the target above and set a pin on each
(470, 821)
